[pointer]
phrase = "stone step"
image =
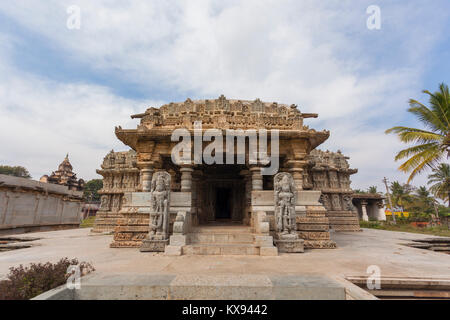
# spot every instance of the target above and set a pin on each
(221, 249)
(221, 238)
(222, 229)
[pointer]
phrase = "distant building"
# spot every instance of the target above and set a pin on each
(64, 176)
(370, 206)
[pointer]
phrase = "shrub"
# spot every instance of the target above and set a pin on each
(24, 283)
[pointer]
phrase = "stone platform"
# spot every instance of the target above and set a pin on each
(208, 287)
(354, 254)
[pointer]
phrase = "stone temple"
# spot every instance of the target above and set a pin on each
(64, 176)
(155, 204)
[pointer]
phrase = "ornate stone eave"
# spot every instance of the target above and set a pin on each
(131, 137)
(368, 196)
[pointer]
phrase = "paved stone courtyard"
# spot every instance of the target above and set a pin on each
(355, 252)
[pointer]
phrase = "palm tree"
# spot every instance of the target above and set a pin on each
(440, 178)
(401, 194)
(372, 189)
(432, 144)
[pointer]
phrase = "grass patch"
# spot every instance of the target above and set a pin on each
(442, 231)
(88, 222)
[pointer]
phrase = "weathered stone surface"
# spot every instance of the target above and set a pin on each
(268, 251)
(28, 205)
(290, 246)
(173, 250)
(330, 173)
(153, 245)
(120, 176)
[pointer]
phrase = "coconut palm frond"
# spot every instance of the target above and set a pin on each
(432, 143)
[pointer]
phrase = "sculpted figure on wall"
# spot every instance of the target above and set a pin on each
(116, 202)
(285, 200)
(325, 200)
(348, 204)
(104, 202)
(159, 206)
(336, 202)
(334, 184)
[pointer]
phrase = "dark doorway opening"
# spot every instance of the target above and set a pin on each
(223, 201)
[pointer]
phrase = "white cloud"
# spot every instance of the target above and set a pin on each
(316, 54)
(41, 120)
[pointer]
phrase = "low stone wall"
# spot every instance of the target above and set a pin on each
(28, 205)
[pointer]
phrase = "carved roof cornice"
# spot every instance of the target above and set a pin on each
(130, 137)
(224, 113)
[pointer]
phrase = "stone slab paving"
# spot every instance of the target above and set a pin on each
(356, 251)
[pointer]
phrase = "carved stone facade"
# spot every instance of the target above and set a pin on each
(330, 173)
(230, 194)
(120, 175)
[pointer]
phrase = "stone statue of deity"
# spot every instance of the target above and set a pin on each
(104, 202)
(159, 206)
(285, 201)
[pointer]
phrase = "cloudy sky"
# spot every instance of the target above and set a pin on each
(63, 90)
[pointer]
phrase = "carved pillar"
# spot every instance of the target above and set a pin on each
(146, 178)
(381, 214)
(296, 169)
(196, 202)
(297, 174)
(365, 217)
(257, 180)
(186, 178)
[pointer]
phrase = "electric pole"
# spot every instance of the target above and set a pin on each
(390, 200)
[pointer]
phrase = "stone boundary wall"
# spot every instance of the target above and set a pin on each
(28, 205)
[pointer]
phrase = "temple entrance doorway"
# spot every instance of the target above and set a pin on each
(223, 204)
(221, 196)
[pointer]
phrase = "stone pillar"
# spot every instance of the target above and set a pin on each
(365, 217)
(381, 214)
(146, 179)
(248, 195)
(186, 178)
(257, 179)
(296, 169)
(195, 189)
(297, 174)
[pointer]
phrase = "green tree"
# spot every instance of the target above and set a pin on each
(372, 189)
(440, 180)
(16, 171)
(91, 188)
(422, 204)
(401, 194)
(432, 144)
